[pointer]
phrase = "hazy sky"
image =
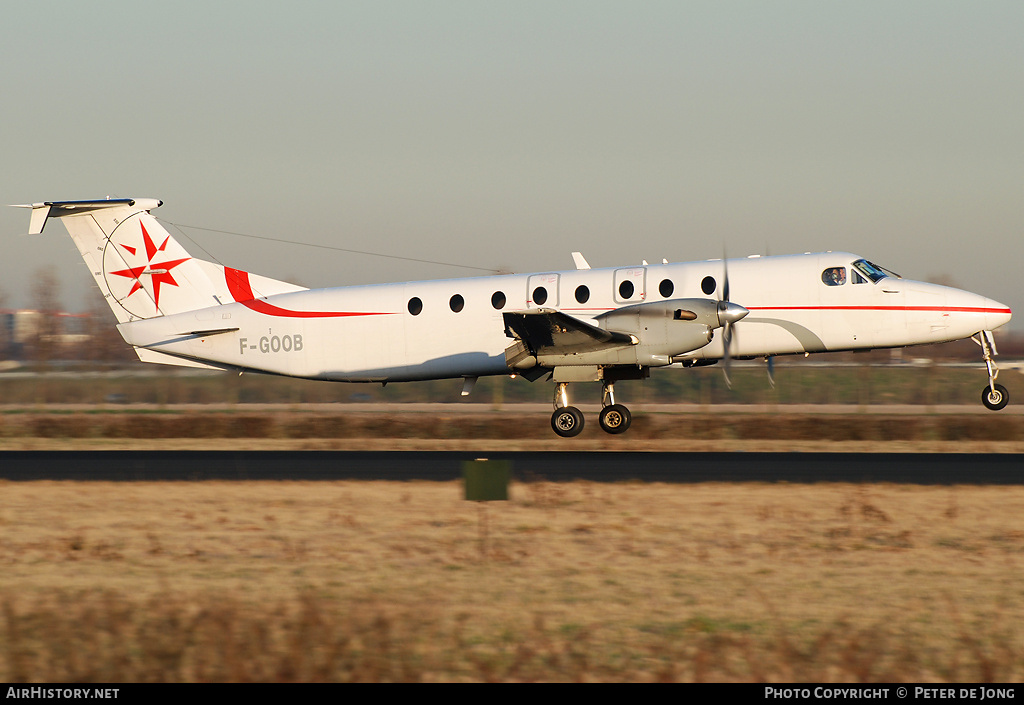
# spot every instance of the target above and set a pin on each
(506, 135)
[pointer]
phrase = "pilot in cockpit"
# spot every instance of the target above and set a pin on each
(834, 276)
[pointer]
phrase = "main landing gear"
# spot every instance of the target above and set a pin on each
(567, 421)
(993, 396)
(614, 418)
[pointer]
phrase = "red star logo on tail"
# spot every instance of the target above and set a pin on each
(159, 272)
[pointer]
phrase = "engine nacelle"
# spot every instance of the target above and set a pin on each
(664, 328)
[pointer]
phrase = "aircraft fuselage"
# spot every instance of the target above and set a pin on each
(454, 327)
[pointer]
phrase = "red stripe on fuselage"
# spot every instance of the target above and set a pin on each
(946, 309)
(241, 292)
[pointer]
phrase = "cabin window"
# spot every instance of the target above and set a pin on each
(457, 303)
(834, 276)
(540, 295)
(666, 288)
(582, 294)
(498, 300)
(707, 285)
(626, 289)
(415, 306)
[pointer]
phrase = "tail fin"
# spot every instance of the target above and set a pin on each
(142, 271)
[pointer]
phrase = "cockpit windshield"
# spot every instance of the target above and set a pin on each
(873, 271)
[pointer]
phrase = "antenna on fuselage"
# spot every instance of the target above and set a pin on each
(580, 260)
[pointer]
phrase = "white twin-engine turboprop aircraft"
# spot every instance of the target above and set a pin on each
(580, 325)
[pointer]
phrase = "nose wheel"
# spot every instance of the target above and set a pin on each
(994, 397)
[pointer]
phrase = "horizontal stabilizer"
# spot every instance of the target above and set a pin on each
(43, 211)
(159, 358)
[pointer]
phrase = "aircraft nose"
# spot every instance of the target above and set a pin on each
(966, 311)
(996, 314)
(984, 313)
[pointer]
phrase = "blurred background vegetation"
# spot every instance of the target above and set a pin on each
(798, 382)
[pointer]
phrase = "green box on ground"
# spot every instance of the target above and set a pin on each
(486, 480)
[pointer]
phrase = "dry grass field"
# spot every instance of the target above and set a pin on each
(284, 581)
(776, 428)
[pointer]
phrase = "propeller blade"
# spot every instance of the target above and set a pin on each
(771, 370)
(727, 343)
(725, 319)
(725, 278)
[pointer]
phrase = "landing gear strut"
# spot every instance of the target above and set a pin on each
(994, 396)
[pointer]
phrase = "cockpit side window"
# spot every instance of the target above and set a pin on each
(834, 276)
(858, 278)
(873, 271)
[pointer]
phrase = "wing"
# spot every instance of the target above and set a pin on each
(646, 334)
(545, 331)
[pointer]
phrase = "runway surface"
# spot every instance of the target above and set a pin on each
(904, 468)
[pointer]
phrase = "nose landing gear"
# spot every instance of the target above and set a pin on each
(994, 396)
